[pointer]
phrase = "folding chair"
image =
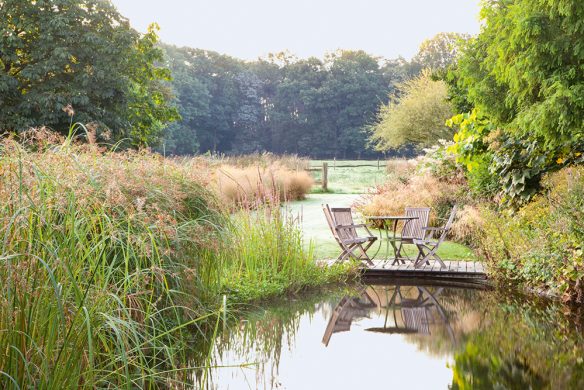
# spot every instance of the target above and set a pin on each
(413, 229)
(428, 246)
(344, 230)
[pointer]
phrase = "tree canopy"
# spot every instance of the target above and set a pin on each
(280, 104)
(440, 51)
(81, 53)
(417, 115)
(523, 74)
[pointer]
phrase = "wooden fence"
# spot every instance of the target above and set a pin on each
(324, 169)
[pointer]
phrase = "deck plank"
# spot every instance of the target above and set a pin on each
(455, 270)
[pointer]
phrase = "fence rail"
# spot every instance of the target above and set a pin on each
(324, 169)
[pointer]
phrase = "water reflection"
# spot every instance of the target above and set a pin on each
(384, 336)
(410, 310)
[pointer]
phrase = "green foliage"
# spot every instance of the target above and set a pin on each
(523, 74)
(440, 52)
(541, 244)
(416, 116)
(279, 104)
(481, 181)
(81, 53)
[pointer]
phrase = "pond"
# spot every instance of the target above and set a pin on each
(402, 335)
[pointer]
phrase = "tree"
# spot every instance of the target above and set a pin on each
(440, 51)
(523, 72)
(280, 104)
(416, 116)
(85, 54)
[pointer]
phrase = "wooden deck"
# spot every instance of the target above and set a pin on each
(455, 270)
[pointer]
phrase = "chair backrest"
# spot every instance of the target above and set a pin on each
(344, 216)
(449, 223)
(416, 319)
(413, 228)
(330, 220)
(451, 218)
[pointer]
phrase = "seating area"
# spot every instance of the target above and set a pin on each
(355, 240)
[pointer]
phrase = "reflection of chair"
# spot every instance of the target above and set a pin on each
(413, 229)
(415, 312)
(428, 245)
(345, 312)
(344, 230)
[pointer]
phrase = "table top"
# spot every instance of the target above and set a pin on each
(391, 217)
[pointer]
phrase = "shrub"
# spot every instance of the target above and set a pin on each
(541, 245)
(468, 228)
(420, 191)
(400, 169)
(441, 164)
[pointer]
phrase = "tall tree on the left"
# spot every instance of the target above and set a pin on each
(82, 53)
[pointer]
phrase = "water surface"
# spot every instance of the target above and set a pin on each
(382, 336)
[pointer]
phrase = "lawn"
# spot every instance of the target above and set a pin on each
(317, 231)
(350, 176)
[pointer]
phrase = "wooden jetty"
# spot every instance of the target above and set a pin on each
(472, 271)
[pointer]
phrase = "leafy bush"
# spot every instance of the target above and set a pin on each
(438, 162)
(541, 245)
(481, 181)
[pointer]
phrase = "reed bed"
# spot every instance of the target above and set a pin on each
(113, 265)
(252, 186)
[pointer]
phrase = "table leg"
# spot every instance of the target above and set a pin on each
(395, 252)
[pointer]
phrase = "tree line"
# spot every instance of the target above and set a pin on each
(136, 91)
(281, 104)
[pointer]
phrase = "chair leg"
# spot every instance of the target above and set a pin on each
(424, 257)
(364, 257)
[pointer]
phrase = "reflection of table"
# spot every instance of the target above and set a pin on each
(384, 219)
(416, 306)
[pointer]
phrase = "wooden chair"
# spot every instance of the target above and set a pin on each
(413, 229)
(344, 230)
(428, 245)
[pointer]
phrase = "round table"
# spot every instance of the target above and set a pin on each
(395, 219)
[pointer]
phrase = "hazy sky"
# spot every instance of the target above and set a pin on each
(251, 28)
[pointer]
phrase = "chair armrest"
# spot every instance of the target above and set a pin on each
(349, 226)
(359, 225)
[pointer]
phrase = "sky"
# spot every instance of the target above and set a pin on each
(248, 29)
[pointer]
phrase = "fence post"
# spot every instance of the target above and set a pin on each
(377, 163)
(324, 176)
(334, 163)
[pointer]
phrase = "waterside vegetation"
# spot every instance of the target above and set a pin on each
(113, 262)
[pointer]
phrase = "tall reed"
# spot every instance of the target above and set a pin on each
(112, 265)
(92, 289)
